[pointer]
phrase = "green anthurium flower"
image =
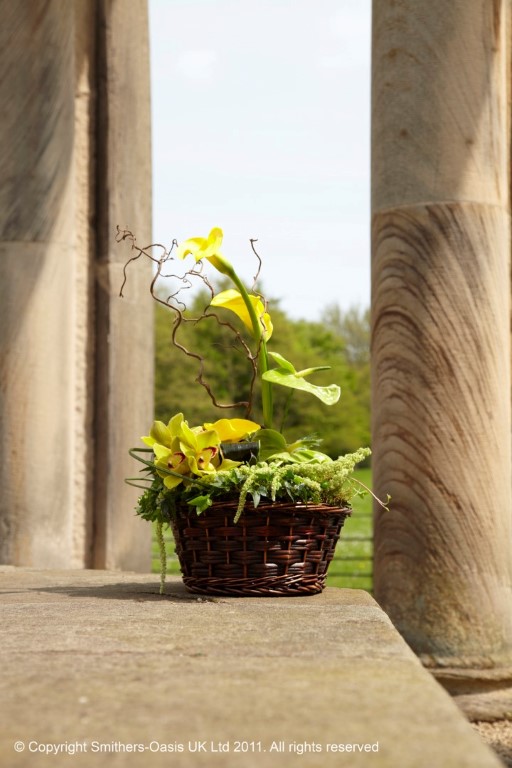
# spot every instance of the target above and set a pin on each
(207, 248)
(232, 430)
(233, 300)
(287, 376)
(302, 456)
(273, 447)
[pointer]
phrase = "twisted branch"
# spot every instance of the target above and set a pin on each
(178, 306)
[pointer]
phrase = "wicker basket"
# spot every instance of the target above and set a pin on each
(279, 549)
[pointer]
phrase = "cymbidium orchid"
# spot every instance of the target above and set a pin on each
(182, 451)
(171, 465)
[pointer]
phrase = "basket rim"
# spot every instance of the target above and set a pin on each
(231, 504)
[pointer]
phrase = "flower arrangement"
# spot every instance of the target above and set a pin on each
(193, 467)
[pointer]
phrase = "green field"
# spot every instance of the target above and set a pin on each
(355, 543)
(343, 572)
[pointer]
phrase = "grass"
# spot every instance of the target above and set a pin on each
(355, 543)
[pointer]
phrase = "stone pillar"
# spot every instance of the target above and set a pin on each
(54, 247)
(124, 327)
(440, 328)
(37, 283)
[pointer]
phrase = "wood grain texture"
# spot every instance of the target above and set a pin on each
(440, 326)
(441, 427)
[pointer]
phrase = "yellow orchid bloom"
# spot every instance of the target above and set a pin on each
(200, 448)
(234, 301)
(232, 430)
(183, 450)
(207, 248)
(170, 459)
(162, 434)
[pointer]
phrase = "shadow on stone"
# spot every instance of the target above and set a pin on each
(139, 592)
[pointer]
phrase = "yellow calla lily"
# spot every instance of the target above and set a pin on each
(233, 300)
(207, 248)
(232, 430)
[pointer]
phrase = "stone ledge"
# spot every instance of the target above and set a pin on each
(100, 657)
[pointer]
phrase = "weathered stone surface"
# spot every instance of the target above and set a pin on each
(36, 283)
(441, 326)
(74, 162)
(124, 326)
(488, 707)
(439, 102)
(100, 657)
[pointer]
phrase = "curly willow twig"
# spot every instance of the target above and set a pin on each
(174, 303)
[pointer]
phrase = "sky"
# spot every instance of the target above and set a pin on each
(261, 126)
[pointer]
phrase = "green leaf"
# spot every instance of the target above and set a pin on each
(309, 441)
(201, 503)
(256, 496)
(271, 441)
(328, 395)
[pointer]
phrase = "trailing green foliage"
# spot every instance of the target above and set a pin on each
(163, 554)
(326, 482)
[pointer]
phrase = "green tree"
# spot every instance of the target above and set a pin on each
(337, 341)
(353, 326)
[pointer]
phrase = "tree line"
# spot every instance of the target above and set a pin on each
(341, 339)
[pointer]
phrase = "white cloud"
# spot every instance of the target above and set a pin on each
(198, 66)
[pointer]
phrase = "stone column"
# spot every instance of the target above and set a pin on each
(124, 327)
(440, 328)
(76, 369)
(37, 283)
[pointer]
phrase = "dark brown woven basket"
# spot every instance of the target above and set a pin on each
(279, 549)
